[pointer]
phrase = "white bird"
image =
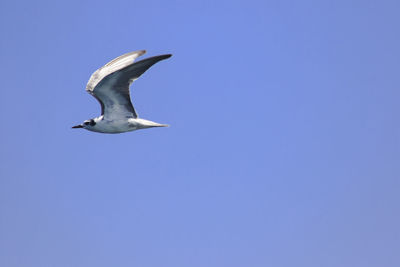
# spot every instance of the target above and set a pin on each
(110, 86)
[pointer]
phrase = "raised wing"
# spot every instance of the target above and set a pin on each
(112, 66)
(110, 86)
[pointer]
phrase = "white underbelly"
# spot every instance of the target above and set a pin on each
(114, 126)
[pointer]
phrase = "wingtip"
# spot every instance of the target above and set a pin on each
(165, 56)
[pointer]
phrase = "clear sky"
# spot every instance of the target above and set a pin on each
(283, 150)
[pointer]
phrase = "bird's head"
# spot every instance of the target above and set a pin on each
(87, 124)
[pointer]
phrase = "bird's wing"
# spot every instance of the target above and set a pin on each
(112, 66)
(110, 86)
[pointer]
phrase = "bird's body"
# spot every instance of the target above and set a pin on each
(121, 125)
(110, 86)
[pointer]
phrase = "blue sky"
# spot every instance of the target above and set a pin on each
(283, 148)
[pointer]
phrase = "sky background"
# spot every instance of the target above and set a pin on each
(283, 150)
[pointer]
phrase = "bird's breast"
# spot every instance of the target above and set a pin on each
(114, 126)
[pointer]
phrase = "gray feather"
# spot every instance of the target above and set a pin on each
(110, 84)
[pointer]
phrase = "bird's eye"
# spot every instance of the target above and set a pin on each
(92, 123)
(86, 123)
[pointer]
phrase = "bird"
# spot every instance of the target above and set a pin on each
(110, 86)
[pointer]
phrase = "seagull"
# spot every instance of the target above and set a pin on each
(110, 86)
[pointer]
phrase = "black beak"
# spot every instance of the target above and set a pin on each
(77, 126)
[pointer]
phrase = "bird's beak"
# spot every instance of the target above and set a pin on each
(77, 126)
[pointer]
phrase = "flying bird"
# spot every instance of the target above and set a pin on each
(110, 86)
